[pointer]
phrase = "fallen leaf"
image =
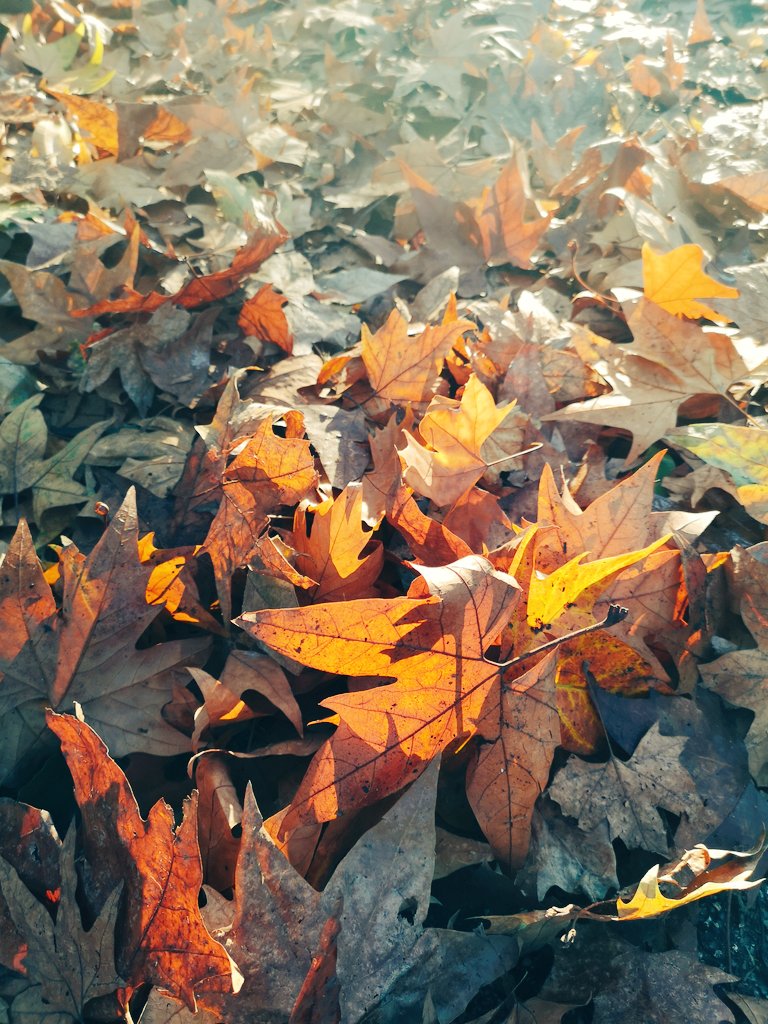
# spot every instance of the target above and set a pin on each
(447, 460)
(739, 676)
(653, 376)
(693, 878)
(742, 452)
(71, 965)
(268, 471)
(86, 651)
(404, 369)
(446, 689)
(161, 936)
(627, 794)
(675, 282)
(342, 558)
(386, 960)
(262, 317)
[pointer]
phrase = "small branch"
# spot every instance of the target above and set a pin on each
(615, 615)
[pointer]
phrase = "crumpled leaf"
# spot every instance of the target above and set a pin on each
(692, 878)
(71, 965)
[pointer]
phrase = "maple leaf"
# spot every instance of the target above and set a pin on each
(161, 935)
(739, 676)
(675, 282)
(437, 640)
(200, 290)
(668, 362)
(72, 966)
(136, 350)
(450, 461)
(86, 651)
(498, 224)
(404, 369)
(434, 642)
(378, 896)
(625, 983)
(332, 553)
(741, 452)
(698, 873)
(101, 126)
(262, 316)
(30, 846)
(627, 794)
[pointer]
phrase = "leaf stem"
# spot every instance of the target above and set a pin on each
(614, 615)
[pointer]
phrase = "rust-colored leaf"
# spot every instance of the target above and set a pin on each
(402, 368)
(162, 938)
(262, 316)
(267, 472)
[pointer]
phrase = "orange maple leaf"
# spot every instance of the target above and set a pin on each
(402, 368)
(198, 291)
(498, 224)
(450, 461)
(162, 938)
(262, 316)
(332, 551)
(434, 642)
(268, 471)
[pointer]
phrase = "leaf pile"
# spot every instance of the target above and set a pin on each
(383, 494)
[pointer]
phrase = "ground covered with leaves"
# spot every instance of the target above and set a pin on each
(384, 482)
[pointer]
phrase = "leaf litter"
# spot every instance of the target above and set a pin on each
(383, 396)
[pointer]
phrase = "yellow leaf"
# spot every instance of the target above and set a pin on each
(550, 595)
(675, 281)
(689, 877)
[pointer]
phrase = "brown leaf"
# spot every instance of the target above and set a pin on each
(341, 557)
(72, 966)
(86, 651)
(404, 369)
(627, 794)
(512, 767)
(385, 957)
